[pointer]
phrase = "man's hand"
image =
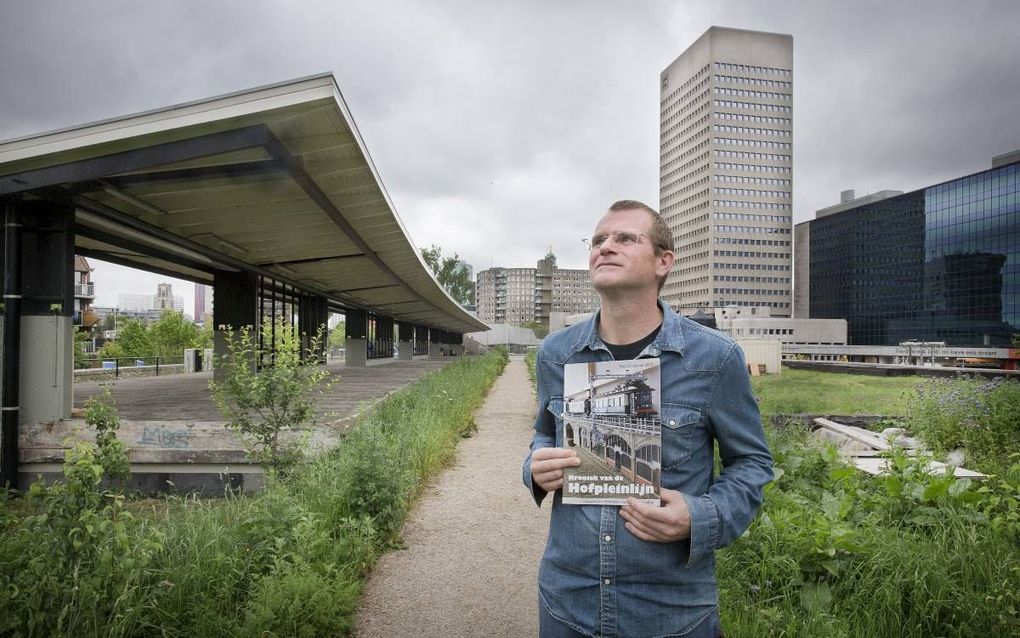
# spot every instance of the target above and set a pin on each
(547, 465)
(671, 522)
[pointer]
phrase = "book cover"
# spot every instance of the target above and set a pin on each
(611, 417)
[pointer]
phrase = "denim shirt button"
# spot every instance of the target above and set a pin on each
(606, 581)
(672, 422)
(608, 538)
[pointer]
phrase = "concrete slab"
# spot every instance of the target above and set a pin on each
(174, 434)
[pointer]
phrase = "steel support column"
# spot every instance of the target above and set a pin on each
(12, 346)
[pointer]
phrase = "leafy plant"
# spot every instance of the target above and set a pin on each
(71, 563)
(101, 414)
(269, 406)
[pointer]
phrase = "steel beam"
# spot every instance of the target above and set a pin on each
(138, 159)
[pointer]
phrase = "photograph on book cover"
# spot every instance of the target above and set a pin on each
(611, 418)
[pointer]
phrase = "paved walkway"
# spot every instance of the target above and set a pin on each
(185, 397)
(471, 564)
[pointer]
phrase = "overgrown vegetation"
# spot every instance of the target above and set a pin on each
(980, 416)
(271, 407)
(835, 552)
(287, 562)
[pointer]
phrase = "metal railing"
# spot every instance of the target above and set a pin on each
(148, 365)
(84, 290)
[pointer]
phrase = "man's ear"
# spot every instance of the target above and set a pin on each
(664, 263)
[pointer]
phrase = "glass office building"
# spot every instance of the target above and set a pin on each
(937, 264)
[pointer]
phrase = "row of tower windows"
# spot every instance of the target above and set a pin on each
(764, 95)
(757, 143)
(751, 217)
(749, 279)
(771, 157)
(771, 304)
(722, 265)
(748, 68)
(750, 130)
(736, 79)
(743, 179)
(753, 106)
(766, 230)
(761, 168)
(750, 253)
(752, 291)
(751, 242)
(761, 119)
(726, 203)
(749, 192)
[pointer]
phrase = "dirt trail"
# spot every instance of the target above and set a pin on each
(471, 562)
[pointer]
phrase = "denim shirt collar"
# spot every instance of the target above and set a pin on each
(670, 337)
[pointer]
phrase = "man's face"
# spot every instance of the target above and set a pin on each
(622, 265)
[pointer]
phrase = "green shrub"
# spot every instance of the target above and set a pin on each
(269, 406)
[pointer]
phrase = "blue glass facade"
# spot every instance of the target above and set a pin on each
(938, 264)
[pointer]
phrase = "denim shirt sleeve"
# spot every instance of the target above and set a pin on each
(721, 516)
(545, 424)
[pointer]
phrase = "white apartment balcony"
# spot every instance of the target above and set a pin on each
(84, 291)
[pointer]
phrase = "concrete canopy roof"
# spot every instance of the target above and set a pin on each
(274, 180)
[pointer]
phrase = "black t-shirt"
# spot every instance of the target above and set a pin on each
(632, 350)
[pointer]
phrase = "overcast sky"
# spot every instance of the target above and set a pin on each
(503, 129)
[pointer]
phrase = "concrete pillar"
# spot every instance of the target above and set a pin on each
(356, 326)
(47, 337)
(405, 345)
(47, 362)
(235, 305)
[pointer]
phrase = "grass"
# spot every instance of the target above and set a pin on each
(812, 392)
(290, 561)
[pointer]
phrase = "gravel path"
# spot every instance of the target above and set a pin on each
(471, 563)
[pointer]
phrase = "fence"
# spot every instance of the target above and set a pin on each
(118, 367)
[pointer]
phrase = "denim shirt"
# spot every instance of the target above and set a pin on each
(597, 577)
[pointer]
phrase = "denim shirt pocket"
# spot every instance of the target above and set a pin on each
(679, 423)
(555, 408)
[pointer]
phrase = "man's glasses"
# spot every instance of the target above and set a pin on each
(620, 238)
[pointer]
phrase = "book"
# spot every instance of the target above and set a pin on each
(611, 417)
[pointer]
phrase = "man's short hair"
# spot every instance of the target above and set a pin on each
(661, 236)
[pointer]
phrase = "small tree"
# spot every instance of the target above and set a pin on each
(133, 339)
(449, 272)
(171, 334)
(267, 406)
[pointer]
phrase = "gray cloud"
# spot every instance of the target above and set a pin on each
(502, 129)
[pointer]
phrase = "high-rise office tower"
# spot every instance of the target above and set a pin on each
(725, 170)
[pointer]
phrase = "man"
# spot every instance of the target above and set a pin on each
(641, 570)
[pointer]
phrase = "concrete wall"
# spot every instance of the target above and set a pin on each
(767, 351)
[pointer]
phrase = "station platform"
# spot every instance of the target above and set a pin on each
(177, 440)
